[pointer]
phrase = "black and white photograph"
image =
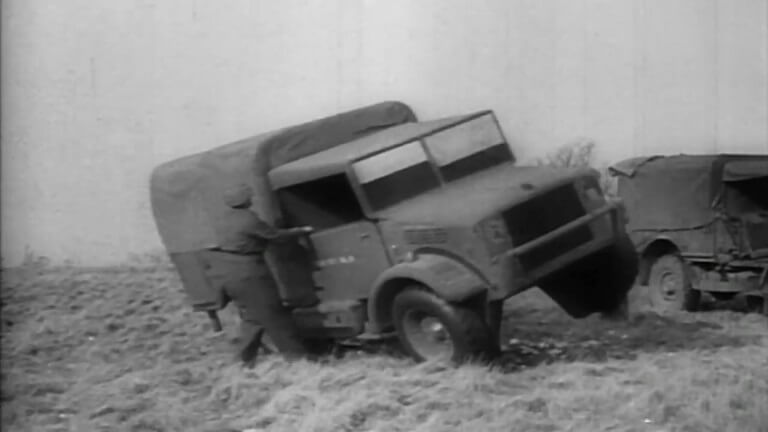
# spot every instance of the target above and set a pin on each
(384, 216)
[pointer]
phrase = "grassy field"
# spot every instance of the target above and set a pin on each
(116, 349)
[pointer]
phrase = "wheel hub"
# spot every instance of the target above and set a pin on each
(669, 285)
(427, 335)
(434, 329)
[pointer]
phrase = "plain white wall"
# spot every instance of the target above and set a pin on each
(96, 93)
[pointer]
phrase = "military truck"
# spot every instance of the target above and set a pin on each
(700, 225)
(421, 228)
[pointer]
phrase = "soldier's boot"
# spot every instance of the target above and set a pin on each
(251, 335)
(285, 336)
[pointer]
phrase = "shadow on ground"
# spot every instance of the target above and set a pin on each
(548, 337)
(536, 332)
(528, 344)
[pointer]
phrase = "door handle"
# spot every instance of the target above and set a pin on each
(365, 235)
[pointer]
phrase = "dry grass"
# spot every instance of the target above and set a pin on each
(117, 350)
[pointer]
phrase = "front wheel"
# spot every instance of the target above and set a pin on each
(430, 328)
(670, 285)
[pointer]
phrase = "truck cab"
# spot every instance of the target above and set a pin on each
(440, 208)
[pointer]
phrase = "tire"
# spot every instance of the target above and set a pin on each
(430, 328)
(670, 287)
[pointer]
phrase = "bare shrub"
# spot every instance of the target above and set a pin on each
(579, 154)
(573, 155)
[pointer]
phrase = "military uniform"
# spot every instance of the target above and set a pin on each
(237, 266)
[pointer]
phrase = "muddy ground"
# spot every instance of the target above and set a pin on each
(116, 349)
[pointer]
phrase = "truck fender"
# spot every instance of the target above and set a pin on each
(446, 277)
(651, 249)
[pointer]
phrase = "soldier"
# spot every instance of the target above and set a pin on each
(238, 267)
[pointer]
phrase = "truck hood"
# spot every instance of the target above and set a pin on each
(473, 198)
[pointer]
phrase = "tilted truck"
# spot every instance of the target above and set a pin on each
(421, 228)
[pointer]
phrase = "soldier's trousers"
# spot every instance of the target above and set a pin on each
(248, 281)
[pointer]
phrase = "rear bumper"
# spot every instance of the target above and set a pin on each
(606, 226)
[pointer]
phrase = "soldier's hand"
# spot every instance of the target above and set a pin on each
(299, 230)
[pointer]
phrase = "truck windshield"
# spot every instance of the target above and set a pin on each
(395, 175)
(470, 147)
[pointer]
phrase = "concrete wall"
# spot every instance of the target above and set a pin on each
(96, 93)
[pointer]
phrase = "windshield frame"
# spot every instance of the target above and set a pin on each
(362, 197)
(500, 143)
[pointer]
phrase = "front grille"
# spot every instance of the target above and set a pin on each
(542, 214)
(541, 255)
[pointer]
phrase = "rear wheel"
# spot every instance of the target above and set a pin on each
(670, 287)
(430, 328)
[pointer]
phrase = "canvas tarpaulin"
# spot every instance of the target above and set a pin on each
(186, 193)
(651, 186)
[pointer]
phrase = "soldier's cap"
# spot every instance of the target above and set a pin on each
(238, 196)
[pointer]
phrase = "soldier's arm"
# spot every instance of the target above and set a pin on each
(259, 228)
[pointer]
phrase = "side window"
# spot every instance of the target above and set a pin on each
(324, 203)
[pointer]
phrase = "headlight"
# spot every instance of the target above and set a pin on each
(495, 235)
(495, 230)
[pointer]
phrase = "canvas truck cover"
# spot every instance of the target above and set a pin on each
(666, 193)
(186, 194)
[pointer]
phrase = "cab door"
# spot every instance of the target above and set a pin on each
(348, 259)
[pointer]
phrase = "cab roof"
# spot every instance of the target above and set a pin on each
(336, 159)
